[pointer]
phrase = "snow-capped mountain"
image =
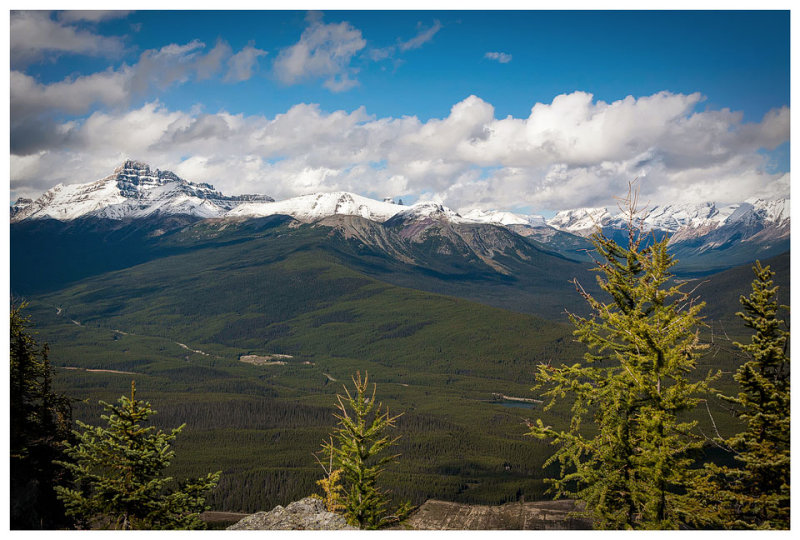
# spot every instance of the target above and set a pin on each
(20, 205)
(132, 190)
(582, 221)
(427, 212)
(688, 221)
(320, 205)
(504, 218)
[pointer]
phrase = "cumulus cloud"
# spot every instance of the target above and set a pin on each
(34, 36)
(501, 57)
(574, 151)
(36, 107)
(323, 52)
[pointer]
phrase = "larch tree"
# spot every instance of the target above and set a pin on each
(631, 464)
(118, 472)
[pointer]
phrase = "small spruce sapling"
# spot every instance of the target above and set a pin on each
(355, 448)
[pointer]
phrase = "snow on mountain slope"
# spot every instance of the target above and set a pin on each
(690, 221)
(72, 201)
(132, 190)
(582, 221)
(504, 218)
(320, 205)
(771, 211)
(428, 211)
(671, 218)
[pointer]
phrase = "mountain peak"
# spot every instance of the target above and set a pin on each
(132, 190)
(130, 164)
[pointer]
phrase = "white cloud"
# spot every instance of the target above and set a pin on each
(92, 15)
(208, 65)
(323, 52)
(423, 36)
(35, 106)
(34, 35)
(242, 64)
(571, 152)
(501, 57)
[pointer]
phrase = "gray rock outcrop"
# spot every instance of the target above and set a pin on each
(305, 514)
(540, 515)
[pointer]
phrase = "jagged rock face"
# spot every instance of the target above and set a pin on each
(19, 205)
(306, 514)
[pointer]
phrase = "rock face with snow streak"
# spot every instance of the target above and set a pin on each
(132, 190)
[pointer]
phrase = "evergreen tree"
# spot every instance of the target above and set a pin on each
(40, 421)
(755, 494)
(119, 474)
(631, 465)
(355, 447)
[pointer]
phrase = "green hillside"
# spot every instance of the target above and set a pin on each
(439, 359)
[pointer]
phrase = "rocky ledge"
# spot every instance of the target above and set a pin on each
(540, 515)
(305, 514)
(310, 514)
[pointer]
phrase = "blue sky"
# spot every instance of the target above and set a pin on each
(419, 104)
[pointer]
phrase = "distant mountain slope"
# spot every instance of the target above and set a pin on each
(275, 294)
(702, 236)
(486, 263)
(721, 291)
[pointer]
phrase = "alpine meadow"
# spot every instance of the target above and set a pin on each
(404, 270)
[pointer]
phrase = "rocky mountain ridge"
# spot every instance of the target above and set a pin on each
(686, 221)
(134, 190)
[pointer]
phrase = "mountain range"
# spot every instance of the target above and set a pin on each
(704, 236)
